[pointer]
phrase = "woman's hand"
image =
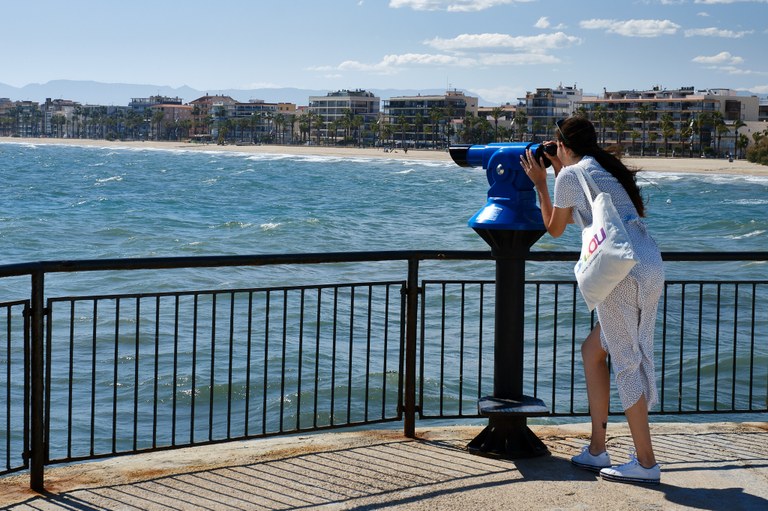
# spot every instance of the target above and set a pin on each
(535, 170)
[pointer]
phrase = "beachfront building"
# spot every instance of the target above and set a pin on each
(427, 121)
(142, 105)
(6, 117)
(57, 117)
(342, 117)
(208, 116)
(501, 120)
(762, 110)
(263, 122)
(544, 107)
(20, 118)
(682, 121)
(225, 120)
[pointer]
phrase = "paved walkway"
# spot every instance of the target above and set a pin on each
(704, 466)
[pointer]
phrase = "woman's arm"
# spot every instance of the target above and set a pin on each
(555, 219)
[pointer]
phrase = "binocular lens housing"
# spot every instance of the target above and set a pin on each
(543, 150)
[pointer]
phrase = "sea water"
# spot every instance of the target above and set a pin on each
(69, 202)
(65, 202)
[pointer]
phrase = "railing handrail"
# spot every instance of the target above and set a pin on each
(37, 312)
(166, 263)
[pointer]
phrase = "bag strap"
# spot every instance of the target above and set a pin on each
(587, 183)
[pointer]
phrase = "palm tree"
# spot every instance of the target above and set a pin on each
(318, 126)
(736, 127)
(496, 113)
(254, 122)
(667, 126)
(644, 113)
(521, 123)
(435, 115)
(686, 133)
(600, 116)
(620, 124)
(720, 129)
(289, 126)
(279, 126)
(157, 122)
(535, 129)
(704, 121)
(386, 133)
(742, 143)
(448, 123)
(57, 121)
(357, 124)
(418, 122)
(402, 123)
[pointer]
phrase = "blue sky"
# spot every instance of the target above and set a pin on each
(498, 49)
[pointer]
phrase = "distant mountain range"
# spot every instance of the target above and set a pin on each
(97, 93)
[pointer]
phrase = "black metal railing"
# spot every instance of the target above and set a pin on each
(86, 375)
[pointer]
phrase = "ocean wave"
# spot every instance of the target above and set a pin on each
(270, 226)
(109, 179)
(747, 235)
(234, 224)
(746, 202)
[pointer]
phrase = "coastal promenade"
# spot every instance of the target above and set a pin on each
(654, 164)
(711, 466)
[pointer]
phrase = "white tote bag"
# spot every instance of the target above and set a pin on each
(606, 250)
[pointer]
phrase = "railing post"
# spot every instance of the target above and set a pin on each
(411, 313)
(37, 425)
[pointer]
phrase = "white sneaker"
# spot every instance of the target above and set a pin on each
(632, 472)
(588, 461)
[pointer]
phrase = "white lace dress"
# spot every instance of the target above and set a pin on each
(628, 315)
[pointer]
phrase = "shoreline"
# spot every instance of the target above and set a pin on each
(650, 164)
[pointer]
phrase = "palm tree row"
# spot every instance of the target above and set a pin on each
(700, 134)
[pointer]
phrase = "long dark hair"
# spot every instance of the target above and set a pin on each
(578, 134)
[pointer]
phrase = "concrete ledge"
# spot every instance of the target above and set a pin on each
(704, 466)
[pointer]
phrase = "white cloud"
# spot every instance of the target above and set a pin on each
(633, 28)
(535, 44)
(451, 5)
(393, 64)
(725, 62)
(721, 59)
(544, 23)
(716, 32)
(759, 89)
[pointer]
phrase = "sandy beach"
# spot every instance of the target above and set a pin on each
(687, 165)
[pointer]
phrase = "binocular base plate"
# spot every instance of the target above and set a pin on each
(507, 435)
(525, 406)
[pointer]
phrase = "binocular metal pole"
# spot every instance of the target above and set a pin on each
(510, 223)
(507, 434)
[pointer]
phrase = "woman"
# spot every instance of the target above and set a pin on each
(626, 318)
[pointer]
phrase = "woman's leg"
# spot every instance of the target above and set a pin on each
(637, 417)
(598, 380)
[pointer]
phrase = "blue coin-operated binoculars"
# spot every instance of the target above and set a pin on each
(510, 222)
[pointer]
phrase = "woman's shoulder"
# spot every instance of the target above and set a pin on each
(587, 164)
